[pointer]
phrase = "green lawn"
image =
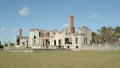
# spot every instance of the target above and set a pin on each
(61, 59)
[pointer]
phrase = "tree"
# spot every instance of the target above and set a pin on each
(1, 46)
(110, 35)
(117, 32)
(0, 43)
(106, 34)
(95, 37)
(103, 33)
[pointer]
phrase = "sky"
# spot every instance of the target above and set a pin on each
(53, 14)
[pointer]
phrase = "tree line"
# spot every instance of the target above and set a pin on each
(106, 35)
(6, 44)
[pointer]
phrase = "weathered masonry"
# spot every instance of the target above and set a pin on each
(67, 38)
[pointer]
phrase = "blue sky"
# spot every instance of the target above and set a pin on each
(53, 14)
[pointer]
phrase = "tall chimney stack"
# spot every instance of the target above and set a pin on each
(20, 33)
(71, 24)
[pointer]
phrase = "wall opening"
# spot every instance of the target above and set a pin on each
(68, 41)
(59, 42)
(18, 41)
(85, 40)
(54, 42)
(34, 37)
(47, 42)
(27, 44)
(68, 47)
(43, 42)
(40, 34)
(23, 43)
(76, 40)
(77, 47)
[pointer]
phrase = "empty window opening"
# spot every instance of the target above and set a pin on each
(23, 43)
(18, 41)
(54, 42)
(59, 42)
(68, 41)
(43, 42)
(47, 42)
(77, 47)
(85, 40)
(76, 40)
(34, 37)
(27, 44)
(40, 34)
(68, 47)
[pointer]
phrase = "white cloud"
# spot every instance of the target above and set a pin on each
(2, 29)
(24, 11)
(94, 16)
(65, 25)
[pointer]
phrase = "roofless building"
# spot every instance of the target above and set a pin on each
(53, 39)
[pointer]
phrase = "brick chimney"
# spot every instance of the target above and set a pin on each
(20, 33)
(71, 24)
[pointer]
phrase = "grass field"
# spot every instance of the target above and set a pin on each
(61, 59)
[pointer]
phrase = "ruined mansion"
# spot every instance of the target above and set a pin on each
(67, 38)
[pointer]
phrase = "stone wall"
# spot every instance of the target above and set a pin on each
(103, 47)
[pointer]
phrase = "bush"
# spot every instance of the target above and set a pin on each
(1, 46)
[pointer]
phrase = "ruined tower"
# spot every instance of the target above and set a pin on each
(71, 24)
(19, 37)
(20, 33)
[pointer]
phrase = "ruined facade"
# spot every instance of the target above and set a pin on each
(67, 38)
